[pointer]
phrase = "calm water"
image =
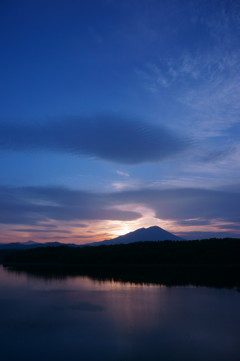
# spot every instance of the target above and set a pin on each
(77, 318)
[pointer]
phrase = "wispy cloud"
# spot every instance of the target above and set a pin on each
(35, 230)
(123, 174)
(204, 79)
(208, 85)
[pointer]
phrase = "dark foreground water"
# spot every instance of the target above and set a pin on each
(78, 318)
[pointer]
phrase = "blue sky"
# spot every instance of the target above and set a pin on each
(117, 115)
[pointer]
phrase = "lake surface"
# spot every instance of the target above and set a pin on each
(78, 318)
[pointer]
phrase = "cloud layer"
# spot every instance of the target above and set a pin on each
(187, 206)
(115, 139)
(31, 205)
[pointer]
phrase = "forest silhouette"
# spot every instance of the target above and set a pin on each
(210, 262)
(204, 252)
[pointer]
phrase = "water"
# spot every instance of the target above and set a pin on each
(78, 318)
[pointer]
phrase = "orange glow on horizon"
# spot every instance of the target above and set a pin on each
(95, 231)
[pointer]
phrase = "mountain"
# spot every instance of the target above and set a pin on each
(140, 235)
(153, 233)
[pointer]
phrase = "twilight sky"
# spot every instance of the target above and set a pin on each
(117, 115)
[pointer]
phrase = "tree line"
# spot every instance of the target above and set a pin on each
(197, 252)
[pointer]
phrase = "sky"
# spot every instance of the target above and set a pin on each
(117, 115)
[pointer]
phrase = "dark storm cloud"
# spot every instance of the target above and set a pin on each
(31, 205)
(116, 139)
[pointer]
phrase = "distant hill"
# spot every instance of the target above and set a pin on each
(30, 245)
(150, 234)
(19, 245)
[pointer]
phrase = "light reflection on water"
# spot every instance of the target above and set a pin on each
(77, 318)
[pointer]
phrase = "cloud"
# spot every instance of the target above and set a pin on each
(115, 139)
(206, 84)
(204, 79)
(79, 225)
(123, 174)
(194, 222)
(186, 203)
(230, 226)
(34, 205)
(39, 230)
(186, 206)
(205, 235)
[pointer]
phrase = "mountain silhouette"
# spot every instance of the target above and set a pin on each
(153, 233)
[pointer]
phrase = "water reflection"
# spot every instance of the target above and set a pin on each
(210, 276)
(73, 318)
